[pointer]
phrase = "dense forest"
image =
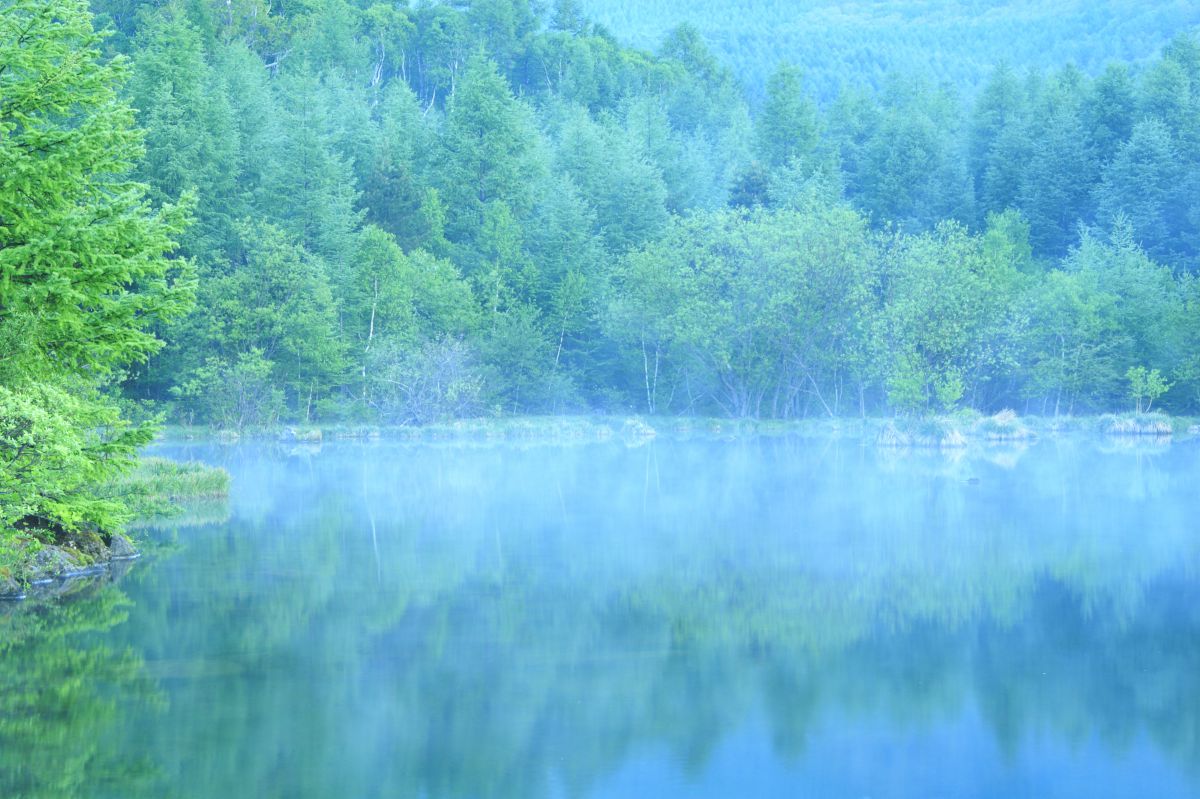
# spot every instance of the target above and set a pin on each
(398, 214)
(863, 42)
(403, 214)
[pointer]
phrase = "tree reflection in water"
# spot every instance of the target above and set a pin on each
(453, 622)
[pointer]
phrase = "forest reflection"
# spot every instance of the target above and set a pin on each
(526, 621)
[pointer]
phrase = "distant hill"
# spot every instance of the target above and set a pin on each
(862, 41)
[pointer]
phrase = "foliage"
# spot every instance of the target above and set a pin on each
(57, 445)
(438, 381)
(1145, 386)
(84, 269)
(948, 319)
(753, 313)
(232, 396)
(1137, 424)
(505, 195)
(865, 41)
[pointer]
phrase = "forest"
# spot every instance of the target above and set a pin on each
(241, 214)
(841, 43)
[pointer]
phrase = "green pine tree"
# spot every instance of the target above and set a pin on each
(84, 269)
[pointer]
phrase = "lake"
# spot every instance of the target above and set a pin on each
(762, 616)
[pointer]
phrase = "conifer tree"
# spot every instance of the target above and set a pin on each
(84, 269)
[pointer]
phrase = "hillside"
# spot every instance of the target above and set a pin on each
(862, 41)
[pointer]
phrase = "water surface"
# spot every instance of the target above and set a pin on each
(755, 617)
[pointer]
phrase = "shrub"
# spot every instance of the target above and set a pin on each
(1145, 386)
(233, 396)
(436, 382)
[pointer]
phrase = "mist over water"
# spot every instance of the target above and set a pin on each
(747, 617)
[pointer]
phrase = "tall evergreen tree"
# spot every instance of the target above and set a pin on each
(1109, 110)
(1056, 187)
(998, 141)
(788, 125)
(1142, 185)
(308, 187)
(190, 135)
(84, 269)
(489, 152)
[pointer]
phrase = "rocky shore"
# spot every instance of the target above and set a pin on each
(51, 567)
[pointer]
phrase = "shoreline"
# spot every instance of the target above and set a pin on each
(53, 567)
(1003, 427)
(156, 488)
(49, 586)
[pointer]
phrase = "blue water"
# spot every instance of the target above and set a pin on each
(784, 616)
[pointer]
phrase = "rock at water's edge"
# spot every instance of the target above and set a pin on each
(50, 562)
(55, 563)
(119, 548)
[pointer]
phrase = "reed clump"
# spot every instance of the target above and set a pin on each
(157, 486)
(1004, 426)
(1137, 424)
(924, 433)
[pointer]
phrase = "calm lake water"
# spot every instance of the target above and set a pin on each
(688, 618)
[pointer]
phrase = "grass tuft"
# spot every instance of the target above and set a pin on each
(926, 433)
(156, 486)
(1004, 426)
(1137, 424)
(170, 480)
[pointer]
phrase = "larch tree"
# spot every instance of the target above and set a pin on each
(788, 128)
